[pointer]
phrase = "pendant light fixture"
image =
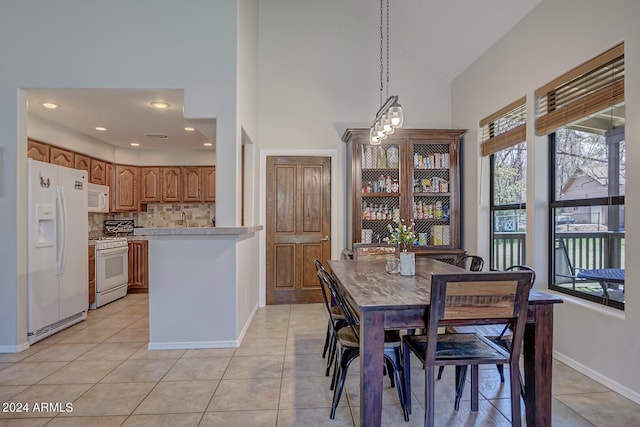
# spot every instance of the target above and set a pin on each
(390, 115)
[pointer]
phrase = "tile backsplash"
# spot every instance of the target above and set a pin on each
(161, 215)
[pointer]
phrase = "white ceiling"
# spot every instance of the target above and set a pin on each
(447, 36)
(127, 115)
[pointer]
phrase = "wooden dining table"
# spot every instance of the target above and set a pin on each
(391, 301)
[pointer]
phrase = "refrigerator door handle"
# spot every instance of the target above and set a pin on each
(61, 206)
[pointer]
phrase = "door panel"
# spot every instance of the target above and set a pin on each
(298, 226)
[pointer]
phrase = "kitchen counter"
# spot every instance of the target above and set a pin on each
(197, 231)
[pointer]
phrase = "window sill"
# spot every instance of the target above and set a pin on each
(592, 306)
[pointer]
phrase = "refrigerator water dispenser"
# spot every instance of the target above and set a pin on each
(46, 230)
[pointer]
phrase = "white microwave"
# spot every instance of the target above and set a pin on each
(98, 196)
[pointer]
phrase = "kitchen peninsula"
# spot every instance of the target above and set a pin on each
(193, 298)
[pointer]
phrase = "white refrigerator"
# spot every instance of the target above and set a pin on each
(57, 259)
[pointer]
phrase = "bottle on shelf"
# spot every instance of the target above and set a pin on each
(387, 184)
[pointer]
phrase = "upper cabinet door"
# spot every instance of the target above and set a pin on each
(82, 162)
(38, 151)
(149, 185)
(126, 188)
(98, 172)
(62, 157)
(209, 184)
(191, 184)
(171, 184)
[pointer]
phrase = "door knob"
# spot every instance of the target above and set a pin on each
(325, 239)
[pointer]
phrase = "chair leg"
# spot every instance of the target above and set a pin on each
(461, 377)
(332, 353)
(429, 400)
(474, 388)
(500, 368)
(393, 361)
(406, 373)
(440, 370)
(326, 340)
(514, 381)
(346, 359)
(389, 369)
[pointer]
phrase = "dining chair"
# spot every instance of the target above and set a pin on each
(470, 299)
(362, 250)
(336, 321)
(475, 262)
(348, 349)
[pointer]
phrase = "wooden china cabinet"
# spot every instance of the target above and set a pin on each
(413, 175)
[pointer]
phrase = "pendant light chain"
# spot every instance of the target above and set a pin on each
(381, 51)
(387, 48)
(390, 115)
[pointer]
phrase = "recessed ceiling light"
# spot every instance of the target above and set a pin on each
(160, 105)
(135, 144)
(50, 105)
(189, 129)
(101, 128)
(207, 144)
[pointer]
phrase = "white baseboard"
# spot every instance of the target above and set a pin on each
(14, 348)
(247, 324)
(190, 345)
(596, 376)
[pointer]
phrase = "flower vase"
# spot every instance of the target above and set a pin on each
(407, 263)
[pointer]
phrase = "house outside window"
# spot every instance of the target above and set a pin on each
(584, 116)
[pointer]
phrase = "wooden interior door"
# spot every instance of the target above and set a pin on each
(298, 226)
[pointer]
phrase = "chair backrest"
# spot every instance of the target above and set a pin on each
(518, 267)
(328, 281)
(478, 299)
(326, 292)
(475, 262)
(563, 269)
(362, 250)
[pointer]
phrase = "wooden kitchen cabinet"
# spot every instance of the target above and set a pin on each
(110, 176)
(413, 175)
(82, 162)
(92, 274)
(192, 184)
(126, 189)
(38, 151)
(98, 173)
(149, 184)
(62, 157)
(170, 184)
(209, 184)
(138, 266)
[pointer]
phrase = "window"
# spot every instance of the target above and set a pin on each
(504, 140)
(587, 179)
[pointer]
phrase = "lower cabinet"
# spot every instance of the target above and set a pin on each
(92, 274)
(138, 266)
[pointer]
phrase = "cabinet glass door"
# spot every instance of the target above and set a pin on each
(380, 190)
(431, 194)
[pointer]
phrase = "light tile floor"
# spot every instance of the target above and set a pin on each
(101, 367)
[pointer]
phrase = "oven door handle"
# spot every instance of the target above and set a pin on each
(111, 251)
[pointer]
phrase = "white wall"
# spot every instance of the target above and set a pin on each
(247, 249)
(116, 44)
(319, 74)
(555, 37)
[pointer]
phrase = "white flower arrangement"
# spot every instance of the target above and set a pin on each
(401, 234)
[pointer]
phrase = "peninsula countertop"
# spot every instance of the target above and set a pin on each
(197, 231)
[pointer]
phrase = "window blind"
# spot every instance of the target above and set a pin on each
(504, 128)
(586, 90)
